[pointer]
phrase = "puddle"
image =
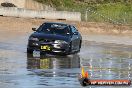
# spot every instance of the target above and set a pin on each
(102, 61)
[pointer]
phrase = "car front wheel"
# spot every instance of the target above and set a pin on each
(29, 51)
(42, 53)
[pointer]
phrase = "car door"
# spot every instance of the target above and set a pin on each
(75, 38)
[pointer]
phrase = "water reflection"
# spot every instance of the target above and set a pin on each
(107, 61)
(50, 66)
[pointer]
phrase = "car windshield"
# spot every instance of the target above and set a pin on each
(50, 28)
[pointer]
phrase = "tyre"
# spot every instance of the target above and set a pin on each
(70, 48)
(42, 53)
(29, 51)
(79, 46)
(29, 56)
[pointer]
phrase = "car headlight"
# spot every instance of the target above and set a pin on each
(60, 42)
(33, 39)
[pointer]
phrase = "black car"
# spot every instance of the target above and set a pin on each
(55, 38)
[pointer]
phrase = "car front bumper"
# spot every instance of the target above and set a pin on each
(49, 47)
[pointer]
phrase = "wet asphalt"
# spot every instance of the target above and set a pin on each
(101, 60)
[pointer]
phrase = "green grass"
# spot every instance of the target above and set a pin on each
(115, 11)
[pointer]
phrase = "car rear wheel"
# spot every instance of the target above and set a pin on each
(70, 47)
(80, 46)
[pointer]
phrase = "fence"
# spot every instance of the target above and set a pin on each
(57, 15)
(91, 15)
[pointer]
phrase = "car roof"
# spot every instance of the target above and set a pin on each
(56, 23)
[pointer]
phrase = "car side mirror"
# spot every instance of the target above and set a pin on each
(34, 29)
(75, 33)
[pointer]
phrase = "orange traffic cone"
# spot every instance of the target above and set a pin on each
(83, 73)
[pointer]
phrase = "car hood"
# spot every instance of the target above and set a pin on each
(50, 36)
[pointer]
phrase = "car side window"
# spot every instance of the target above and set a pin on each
(73, 29)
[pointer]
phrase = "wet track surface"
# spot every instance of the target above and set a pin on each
(102, 61)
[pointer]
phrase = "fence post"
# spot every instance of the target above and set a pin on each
(86, 15)
(125, 18)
